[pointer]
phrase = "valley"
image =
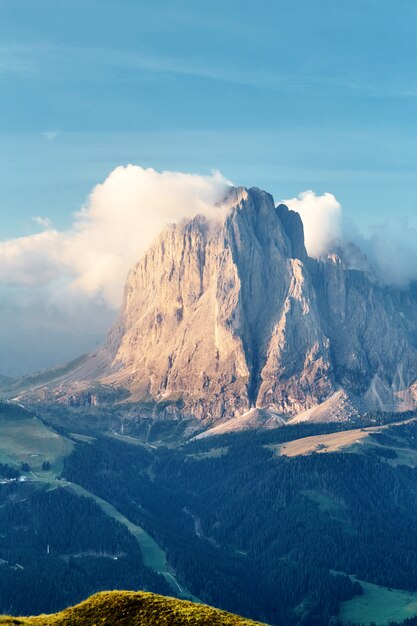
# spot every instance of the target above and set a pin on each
(191, 508)
(28, 445)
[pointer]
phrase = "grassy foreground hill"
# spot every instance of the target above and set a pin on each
(128, 608)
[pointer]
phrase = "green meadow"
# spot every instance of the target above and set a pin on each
(25, 439)
(379, 605)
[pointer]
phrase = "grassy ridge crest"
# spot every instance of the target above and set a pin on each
(129, 608)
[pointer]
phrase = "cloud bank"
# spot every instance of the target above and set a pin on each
(392, 251)
(59, 289)
(128, 210)
(390, 248)
(121, 218)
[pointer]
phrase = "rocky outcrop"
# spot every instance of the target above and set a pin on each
(231, 315)
(372, 344)
(224, 317)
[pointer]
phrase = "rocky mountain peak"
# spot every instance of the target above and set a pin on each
(218, 314)
(229, 315)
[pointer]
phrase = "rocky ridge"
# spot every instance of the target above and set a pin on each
(221, 317)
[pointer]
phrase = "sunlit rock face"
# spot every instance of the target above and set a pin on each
(229, 315)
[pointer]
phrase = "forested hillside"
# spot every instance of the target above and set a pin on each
(283, 540)
(245, 528)
(56, 548)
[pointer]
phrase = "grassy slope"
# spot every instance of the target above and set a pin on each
(12, 386)
(379, 605)
(130, 609)
(25, 438)
(343, 441)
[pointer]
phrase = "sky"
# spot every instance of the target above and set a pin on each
(287, 95)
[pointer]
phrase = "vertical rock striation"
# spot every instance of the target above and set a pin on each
(230, 315)
(221, 317)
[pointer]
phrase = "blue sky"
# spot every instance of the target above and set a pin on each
(286, 95)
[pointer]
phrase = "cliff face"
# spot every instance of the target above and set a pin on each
(222, 318)
(231, 315)
(373, 348)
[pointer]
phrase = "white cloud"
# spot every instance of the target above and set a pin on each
(121, 218)
(44, 222)
(50, 135)
(127, 211)
(66, 284)
(321, 216)
(392, 251)
(390, 248)
(31, 261)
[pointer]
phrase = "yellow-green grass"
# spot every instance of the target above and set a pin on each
(126, 608)
(25, 439)
(379, 605)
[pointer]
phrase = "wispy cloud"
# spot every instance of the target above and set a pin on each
(56, 61)
(390, 250)
(50, 135)
(44, 222)
(16, 60)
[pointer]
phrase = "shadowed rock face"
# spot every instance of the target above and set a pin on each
(232, 315)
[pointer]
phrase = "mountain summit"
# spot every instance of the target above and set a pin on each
(221, 317)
